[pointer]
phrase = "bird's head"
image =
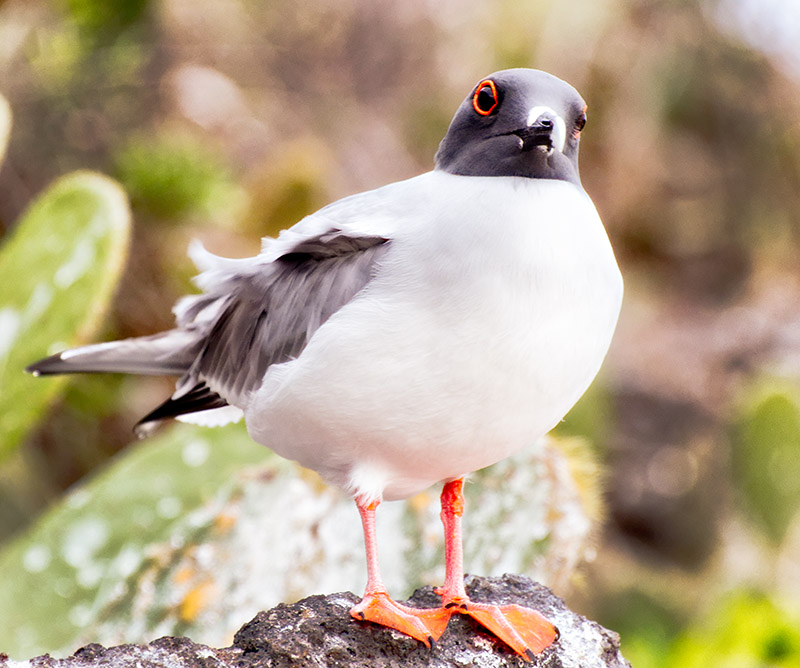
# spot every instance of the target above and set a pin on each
(517, 122)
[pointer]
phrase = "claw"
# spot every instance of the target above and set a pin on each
(424, 624)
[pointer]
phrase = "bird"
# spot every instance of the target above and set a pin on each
(409, 335)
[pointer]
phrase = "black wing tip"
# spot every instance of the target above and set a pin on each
(48, 366)
(199, 398)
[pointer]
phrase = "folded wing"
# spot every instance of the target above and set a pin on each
(252, 314)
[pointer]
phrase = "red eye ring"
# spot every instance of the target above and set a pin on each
(579, 124)
(486, 83)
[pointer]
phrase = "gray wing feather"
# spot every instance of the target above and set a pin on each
(166, 354)
(253, 316)
(268, 315)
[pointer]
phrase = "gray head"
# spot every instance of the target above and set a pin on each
(516, 122)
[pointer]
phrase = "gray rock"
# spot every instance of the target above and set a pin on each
(318, 632)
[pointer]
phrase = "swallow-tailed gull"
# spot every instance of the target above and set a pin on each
(411, 334)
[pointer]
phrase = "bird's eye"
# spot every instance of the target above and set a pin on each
(486, 100)
(580, 123)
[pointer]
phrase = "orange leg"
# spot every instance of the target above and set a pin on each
(426, 625)
(522, 629)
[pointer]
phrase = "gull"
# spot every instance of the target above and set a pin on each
(409, 335)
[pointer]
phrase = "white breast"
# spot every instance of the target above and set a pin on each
(489, 318)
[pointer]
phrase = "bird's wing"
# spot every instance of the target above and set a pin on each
(267, 317)
(260, 311)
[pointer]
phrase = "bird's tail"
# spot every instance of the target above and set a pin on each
(169, 353)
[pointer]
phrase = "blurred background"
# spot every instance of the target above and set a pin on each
(228, 120)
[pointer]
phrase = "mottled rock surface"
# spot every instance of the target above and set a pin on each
(318, 632)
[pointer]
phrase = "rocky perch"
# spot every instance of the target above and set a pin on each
(318, 632)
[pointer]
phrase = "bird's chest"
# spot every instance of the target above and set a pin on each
(501, 324)
(523, 291)
(524, 324)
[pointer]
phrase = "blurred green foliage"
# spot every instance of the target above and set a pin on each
(766, 457)
(174, 177)
(289, 188)
(745, 629)
(592, 418)
(58, 270)
(101, 22)
(647, 627)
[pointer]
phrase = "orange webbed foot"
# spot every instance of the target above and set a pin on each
(424, 624)
(524, 630)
